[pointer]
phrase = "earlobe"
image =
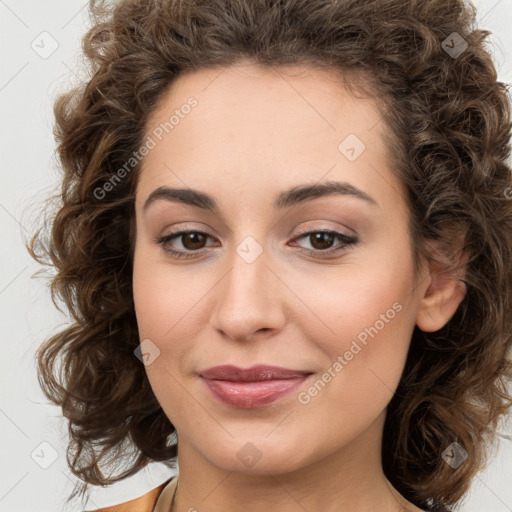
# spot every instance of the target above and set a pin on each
(441, 297)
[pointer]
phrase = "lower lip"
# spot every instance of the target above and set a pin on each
(249, 395)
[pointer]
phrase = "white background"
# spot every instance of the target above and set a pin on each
(29, 85)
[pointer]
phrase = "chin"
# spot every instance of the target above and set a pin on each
(256, 455)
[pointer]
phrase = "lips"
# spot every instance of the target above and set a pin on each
(253, 387)
(253, 374)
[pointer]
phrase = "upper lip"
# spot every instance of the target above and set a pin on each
(254, 373)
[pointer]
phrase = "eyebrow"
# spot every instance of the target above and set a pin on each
(291, 197)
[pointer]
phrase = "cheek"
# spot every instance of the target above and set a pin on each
(171, 311)
(164, 306)
(165, 299)
(363, 322)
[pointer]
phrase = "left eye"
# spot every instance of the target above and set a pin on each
(194, 242)
(322, 241)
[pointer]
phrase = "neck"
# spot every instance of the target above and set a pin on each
(349, 480)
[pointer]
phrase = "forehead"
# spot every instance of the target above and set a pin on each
(244, 94)
(264, 128)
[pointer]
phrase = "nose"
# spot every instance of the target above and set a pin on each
(249, 299)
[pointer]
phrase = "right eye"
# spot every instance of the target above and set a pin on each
(191, 241)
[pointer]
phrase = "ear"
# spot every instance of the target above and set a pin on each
(445, 290)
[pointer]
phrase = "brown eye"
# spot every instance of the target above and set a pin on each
(193, 240)
(321, 240)
(192, 243)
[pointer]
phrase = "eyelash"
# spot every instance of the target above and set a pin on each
(347, 242)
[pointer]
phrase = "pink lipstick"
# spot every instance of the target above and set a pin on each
(252, 387)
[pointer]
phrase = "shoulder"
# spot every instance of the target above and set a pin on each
(144, 503)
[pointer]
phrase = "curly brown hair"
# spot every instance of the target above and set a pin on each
(449, 139)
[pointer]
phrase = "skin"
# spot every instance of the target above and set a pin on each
(254, 133)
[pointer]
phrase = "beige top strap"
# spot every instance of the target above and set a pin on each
(163, 503)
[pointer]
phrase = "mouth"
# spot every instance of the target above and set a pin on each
(253, 387)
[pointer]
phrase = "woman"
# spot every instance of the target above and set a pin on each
(284, 238)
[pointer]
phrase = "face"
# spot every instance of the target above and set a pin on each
(258, 280)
